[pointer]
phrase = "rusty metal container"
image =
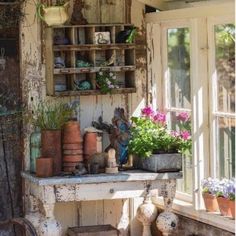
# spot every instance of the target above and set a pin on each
(51, 147)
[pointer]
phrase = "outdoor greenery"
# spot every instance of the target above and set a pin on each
(51, 116)
(149, 134)
(106, 81)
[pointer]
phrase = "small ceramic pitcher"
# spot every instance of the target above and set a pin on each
(54, 15)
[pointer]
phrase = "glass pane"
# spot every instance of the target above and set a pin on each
(225, 66)
(180, 121)
(179, 67)
(226, 147)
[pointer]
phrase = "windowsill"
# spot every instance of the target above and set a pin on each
(186, 209)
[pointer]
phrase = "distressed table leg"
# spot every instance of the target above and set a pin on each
(147, 213)
(49, 226)
(33, 214)
(167, 221)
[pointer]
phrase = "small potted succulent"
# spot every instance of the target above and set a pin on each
(209, 190)
(156, 147)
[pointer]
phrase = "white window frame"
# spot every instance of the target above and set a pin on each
(197, 19)
(213, 114)
(164, 104)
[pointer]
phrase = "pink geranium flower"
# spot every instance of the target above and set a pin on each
(183, 116)
(147, 111)
(160, 117)
(174, 133)
(185, 135)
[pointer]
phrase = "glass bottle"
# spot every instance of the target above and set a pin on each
(35, 148)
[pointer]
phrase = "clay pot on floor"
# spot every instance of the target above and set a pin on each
(51, 147)
(211, 203)
(71, 132)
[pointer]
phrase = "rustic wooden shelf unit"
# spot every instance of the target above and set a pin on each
(69, 44)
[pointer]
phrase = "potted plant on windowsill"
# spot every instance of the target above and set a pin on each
(157, 148)
(53, 15)
(209, 194)
(50, 118)
(226, 197)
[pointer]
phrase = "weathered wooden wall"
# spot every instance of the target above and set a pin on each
(118, 212)
(10, 132)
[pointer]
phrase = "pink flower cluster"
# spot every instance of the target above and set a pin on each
(183, 134)
(148, 112)
(156, 117)
(183, 116)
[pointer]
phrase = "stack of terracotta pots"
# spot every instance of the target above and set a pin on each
(90, 145)
(72, 146)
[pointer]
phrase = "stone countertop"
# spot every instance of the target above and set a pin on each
(122, 176)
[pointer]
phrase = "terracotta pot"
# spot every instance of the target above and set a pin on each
(227, 207)
(73, 146)
(90, 143)
(211, 203)
(69, 169)
(70, 164)
(44, 167)
(51, 147)
(71, 133)
(73, 152)
(232, 209)
(223, 205)
(73, 158)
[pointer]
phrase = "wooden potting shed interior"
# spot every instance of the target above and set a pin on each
(178, 56)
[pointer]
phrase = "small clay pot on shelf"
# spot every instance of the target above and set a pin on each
(44, 167)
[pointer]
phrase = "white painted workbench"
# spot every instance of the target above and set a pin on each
(43, 193)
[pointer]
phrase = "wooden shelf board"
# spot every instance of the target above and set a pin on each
(94, 92)
(88, 47)
(91, 25)
(59, 71)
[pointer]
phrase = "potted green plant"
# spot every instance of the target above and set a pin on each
(53, 15)
(159, 149)
(50, 118)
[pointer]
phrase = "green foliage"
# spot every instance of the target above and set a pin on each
(149, 134)
(106, 81)
(51, 116)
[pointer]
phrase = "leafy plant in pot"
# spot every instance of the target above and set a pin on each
(53, 15)
(156, 147)
(50, 118)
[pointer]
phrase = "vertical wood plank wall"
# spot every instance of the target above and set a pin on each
(119, 213)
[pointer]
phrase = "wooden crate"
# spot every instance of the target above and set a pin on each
(95, 230)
